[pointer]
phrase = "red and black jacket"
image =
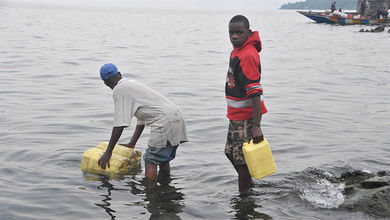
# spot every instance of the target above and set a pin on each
(243, 79)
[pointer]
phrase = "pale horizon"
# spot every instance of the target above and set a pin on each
(168, 4)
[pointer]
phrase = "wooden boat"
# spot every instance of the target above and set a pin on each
(322, 17)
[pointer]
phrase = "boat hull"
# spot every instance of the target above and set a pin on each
(325, 18)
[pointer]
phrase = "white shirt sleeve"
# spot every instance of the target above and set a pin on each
(125, 108)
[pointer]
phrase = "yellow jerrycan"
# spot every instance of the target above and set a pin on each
(122, 161)
(259, 159)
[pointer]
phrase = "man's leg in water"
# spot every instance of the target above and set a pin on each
(238, 133)
(150, 174)
(165, 169)
(244, 176)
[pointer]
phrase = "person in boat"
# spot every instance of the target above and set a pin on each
(168, 128)
(243, 91)
(382, 14)
(362, 7)
(333, 7)
(368, 8)
(379, 13)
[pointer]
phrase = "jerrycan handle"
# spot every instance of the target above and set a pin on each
(251, 141)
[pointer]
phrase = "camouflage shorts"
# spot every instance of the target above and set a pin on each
(238, 133)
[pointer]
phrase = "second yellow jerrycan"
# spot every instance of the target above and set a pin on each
(122, 161)
(259, 159)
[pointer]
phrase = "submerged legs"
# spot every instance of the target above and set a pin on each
(151, 172)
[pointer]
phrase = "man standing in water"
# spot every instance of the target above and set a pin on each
(243, 95)
(362, 8)
(333, 7)
(168, 128)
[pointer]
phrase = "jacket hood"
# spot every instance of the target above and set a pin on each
(253, 39)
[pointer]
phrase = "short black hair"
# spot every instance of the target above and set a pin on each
(240, 18)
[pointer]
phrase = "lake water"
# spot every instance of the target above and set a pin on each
(327, 89)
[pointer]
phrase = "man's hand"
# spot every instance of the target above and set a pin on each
(115, 135)
(105, 159)
(129, 145)
(257, 134)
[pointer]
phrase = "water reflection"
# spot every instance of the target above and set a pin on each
(163, 200)
(245, 208)
(107, 197)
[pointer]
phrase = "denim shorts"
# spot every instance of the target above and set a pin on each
(160, 155)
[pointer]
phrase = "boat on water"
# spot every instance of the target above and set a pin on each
(343, 18)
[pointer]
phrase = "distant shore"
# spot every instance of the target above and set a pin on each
(320, 5)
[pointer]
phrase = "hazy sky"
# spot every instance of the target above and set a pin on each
(177, 4)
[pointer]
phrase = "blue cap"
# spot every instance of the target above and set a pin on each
(108, 70)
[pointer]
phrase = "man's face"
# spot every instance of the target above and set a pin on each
(238, 33)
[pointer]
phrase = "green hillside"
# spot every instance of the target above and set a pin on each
(321, 4)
